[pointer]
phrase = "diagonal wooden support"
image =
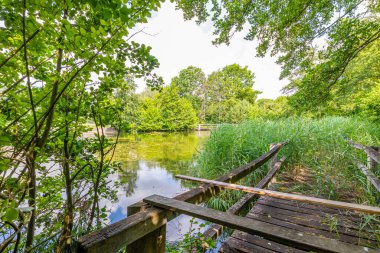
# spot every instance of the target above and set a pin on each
(371, 177)
(273, 232)
(288, 196)
(215, 229)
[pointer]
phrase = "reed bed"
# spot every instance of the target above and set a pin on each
(316, 148)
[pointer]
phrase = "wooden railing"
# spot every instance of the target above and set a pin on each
(373, 161)
(206, 127)
(144, 230)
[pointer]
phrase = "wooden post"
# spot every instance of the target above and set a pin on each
(371, 163)
(272, 162)
(154, 242)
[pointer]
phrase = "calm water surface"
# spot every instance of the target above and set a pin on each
(149, 162)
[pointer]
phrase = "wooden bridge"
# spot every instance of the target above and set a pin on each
(278, 222)
(206, 127)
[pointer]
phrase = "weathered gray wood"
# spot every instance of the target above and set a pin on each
(121, 233)
(371, 163)
(371, 151)
(289, 196)
(270, 231)
(214, 230)
(260, 241)
(115, 236)
(370, 176)
(154, 242)
(233, 245)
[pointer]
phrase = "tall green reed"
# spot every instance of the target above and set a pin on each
(315, 144)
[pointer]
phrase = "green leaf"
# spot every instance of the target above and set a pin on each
(4, 140)
(11, 214)
(83, 31)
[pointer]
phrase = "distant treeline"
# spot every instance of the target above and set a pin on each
(227, 96)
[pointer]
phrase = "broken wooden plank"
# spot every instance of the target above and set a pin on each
(276, 233)
(289, 196)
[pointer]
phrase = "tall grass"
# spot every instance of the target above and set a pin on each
(316, 145)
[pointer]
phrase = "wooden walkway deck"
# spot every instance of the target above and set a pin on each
(326, 222)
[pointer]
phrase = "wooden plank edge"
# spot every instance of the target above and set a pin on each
(289, 196)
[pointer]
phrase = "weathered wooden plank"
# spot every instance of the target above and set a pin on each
(121, 233)
(113, 237)
(346, 218)
(272, 232)
(289, 196)
(370, 176)
(154, 242)
(307, 207)
(311, 230)
(262, 242)
(346, 221)
(235, 245)
(313, 221)
(370, 151)
(214, 230)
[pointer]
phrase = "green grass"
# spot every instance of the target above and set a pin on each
(315, 145)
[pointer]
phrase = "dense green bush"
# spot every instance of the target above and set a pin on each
(314, 144)
(166, 111)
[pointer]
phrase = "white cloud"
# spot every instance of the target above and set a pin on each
(178, 44)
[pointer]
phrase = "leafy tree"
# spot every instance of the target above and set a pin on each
(191, 85)
(353, 91)
(272, 109)
(229, 111)
(371, 105)
(228, 89)
(177, 113)
(167, 111)
(189, 81)
(150, 117)
(233, 81)
(293, 31)
(60, 64)
(127, 101)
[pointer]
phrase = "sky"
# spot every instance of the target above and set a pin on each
(178, 44)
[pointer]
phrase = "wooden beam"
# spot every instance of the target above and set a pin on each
(370, 176)
(113, 237)
(370, 151)
(273, 232)
(215, 229)
(288, 196)
(154, 242)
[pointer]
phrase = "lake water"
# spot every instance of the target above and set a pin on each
(150, 162)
